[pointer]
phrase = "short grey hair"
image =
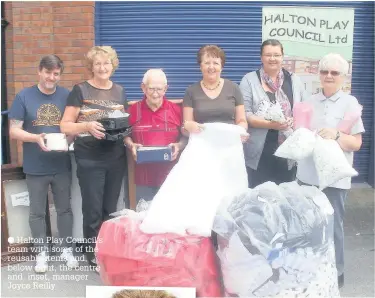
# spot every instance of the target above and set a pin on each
(334, 61)
(152, 73)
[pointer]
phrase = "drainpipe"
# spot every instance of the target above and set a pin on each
(5, 146)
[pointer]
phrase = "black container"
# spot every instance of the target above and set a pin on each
(114, 123)
(116, 128)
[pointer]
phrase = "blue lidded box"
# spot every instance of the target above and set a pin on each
(154, 154)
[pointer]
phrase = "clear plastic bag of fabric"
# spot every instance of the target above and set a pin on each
(330, 162)
(276, 241)
(273, 112)
(297, 146)
(210, 169)
(129, 257)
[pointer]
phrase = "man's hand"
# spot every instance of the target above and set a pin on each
(96, 129)
(40, 140)
(134, 149)
(176, 147)
(328, 133)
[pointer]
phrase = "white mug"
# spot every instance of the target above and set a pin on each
(56, 141)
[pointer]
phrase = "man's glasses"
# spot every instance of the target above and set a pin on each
(158, 90)
(333, 73)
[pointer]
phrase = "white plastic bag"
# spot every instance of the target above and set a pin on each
(330, 162)
(142, 205)
(298, 146)
(211, 170)
(139, 213)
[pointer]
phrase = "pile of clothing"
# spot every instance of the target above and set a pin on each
(169, 245)
(129, 257)
(277, 241)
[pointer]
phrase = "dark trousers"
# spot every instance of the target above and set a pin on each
(100, 183)
(38, 186)
(270, 167)
(337, 198)
(274, 174)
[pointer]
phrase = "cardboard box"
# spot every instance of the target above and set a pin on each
(154, 154)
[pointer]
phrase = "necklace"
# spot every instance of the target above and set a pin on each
(205, 86)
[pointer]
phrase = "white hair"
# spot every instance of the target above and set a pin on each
(154, 73)
(333, 61)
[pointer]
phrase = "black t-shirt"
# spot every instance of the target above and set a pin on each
(96, 104)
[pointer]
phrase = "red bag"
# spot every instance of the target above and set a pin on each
(129, 257)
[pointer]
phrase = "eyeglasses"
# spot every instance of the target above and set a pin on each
(333, 73)
(269, 56)
(158, 90)
(105, 65)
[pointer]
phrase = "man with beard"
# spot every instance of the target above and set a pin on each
(35, 112)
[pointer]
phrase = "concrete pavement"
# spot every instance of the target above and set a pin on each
(359, 250)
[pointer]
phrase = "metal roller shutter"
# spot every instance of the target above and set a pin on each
(168, 35)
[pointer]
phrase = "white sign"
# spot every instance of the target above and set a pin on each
(20, 199)
(313, 31)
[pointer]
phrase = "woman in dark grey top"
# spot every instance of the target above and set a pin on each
(213, 99)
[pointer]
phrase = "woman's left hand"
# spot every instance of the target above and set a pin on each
(245, 137)
(328, 133)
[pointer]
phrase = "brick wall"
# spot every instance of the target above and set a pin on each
(39, 28)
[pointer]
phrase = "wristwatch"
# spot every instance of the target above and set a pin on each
(337, 135)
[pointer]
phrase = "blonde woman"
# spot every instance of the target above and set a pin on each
(101, 163)
(142, 294)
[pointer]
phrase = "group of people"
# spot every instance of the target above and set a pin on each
(156, 121)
